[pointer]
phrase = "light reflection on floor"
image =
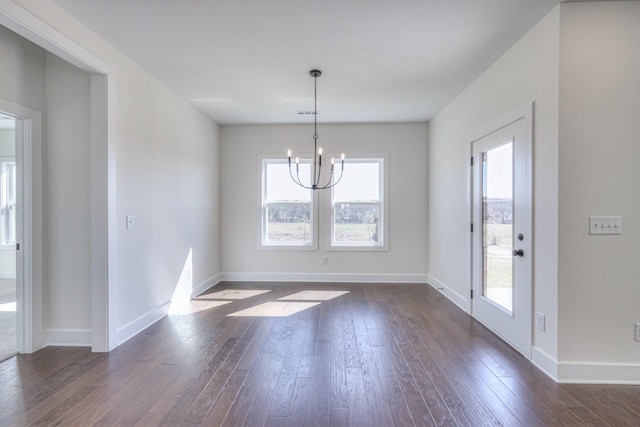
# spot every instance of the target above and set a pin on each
(233, 294)
(10, 306)
(285, 306)
(275, 309)
(194, 306)
(313, 296)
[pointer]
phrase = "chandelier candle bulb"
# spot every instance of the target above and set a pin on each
(289, 155)
(332, 162)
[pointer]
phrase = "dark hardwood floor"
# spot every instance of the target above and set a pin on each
(380, 355)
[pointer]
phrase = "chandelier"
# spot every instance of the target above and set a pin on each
(315, 184)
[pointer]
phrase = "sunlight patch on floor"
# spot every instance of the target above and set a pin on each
(313, 296)
(9, 306)
(275, 309)
(234, 294)
(194, 306)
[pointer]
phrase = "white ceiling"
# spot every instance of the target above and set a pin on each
(248, 61)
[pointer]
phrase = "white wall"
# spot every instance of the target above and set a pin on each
(67, 177)
(22, 75)
(527, 72)
(165, 161)
(599, 293)
(407, 148)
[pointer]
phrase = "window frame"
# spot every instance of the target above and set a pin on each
(383, 202)
(312, 245)
(4, 186)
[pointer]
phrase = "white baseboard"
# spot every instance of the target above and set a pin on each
(136, 326)
(68, 337)
(598, 373)
(561, 372)
(206, 285)
(452, 295)
(545, 363)
(325, 277)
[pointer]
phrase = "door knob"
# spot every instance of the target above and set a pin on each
(518, 252)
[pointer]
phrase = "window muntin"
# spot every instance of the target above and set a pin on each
(358, 206)
(287, 218)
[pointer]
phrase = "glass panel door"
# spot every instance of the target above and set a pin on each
(501, 237)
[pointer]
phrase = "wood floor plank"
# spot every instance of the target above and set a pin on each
(208, 396)
(378, 355)
(391, 389)
(319, 405)
(281, 401)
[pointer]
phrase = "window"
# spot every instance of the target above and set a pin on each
(7, 202)
(287, 217)
(358, 206)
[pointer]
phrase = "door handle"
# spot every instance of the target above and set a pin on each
(518, 252)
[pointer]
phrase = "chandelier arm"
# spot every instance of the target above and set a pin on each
(297, 181)
(329, 185)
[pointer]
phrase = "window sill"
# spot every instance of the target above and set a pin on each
(287, 248)
(381, 248)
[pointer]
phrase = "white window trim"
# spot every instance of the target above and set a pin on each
(10, 246)
(383, 226)
(313, 244)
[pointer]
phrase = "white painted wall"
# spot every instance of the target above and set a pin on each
(527, 72)
(22, 72)
(599, 293)
(67, 178)
(407, 148)
(167, 173)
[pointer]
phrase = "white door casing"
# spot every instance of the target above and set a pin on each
(29, 292)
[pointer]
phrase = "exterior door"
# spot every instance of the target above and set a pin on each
(502, 231)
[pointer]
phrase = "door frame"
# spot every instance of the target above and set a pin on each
(29, 261)
(524, 113)
(104, 228)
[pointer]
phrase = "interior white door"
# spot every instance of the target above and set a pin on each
(502, 231)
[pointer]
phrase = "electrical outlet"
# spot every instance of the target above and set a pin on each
(540, 321)
(325, 260)
(637, 331)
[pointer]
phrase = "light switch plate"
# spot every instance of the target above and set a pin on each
(130, 222)
(540, 321)
(605, 225)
